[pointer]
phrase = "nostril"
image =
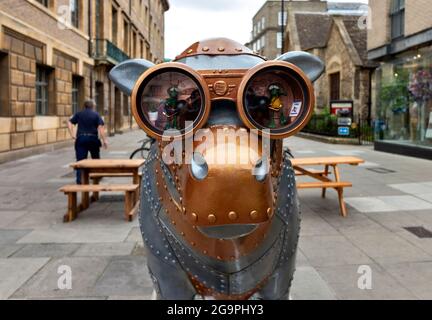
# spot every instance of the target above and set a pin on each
(199, 166)
(261, 169)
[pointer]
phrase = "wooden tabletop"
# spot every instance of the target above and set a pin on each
(108, 164)
(326, 161)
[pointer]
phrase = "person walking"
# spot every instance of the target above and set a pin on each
(90, 135)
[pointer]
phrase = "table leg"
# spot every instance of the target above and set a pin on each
(72, 207)
(128, 205)
(85, 195)
(95, 196)
(136, 180)
(326, 172)
(340, 192)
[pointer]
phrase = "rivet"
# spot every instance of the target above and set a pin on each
(232, 215)
(219, 257)
(205, 252)
(269, 212)
(205, 49)
(194, 217)
(193, 244)
(221, 49)
(212, 218)
(254, 215)
(190, 51)
(239, 49)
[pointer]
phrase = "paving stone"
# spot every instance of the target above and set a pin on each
(415, 276)
(308, 285)
(344, 282)
(15, 272)
(11, 236)
(387, 247)
(105, 249)
(135, 235)
(331, 251)
(388, 203)
(85, 272)
(132, 298)
(7, 217)
(315, 225)
(413, 188)
(73, 235)
(9, 249)
(46, 250)
(125, 276)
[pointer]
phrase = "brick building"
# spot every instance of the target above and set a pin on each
(54, 54)
(400, 40)
(268, 22)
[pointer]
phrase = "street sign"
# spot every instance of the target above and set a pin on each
(346, 122)
(344, 131)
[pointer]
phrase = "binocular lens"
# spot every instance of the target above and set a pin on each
(277, 99)
(170, 101)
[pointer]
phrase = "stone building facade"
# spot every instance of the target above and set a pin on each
(341, 44)
(54, 54)
(400, 40)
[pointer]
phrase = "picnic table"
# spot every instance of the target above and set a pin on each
(322, 176)
(96, 169)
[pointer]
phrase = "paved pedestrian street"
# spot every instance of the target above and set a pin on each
(386, 231)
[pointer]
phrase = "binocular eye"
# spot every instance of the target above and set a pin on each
(277, 97)
(169, 101)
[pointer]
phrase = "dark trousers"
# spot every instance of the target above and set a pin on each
(84, 145)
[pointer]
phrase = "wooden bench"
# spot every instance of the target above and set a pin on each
(322, 178)
(131, 207)
(96, 178)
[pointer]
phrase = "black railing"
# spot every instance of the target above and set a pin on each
(106, 50)
(327, 125)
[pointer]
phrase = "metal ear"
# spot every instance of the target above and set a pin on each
(310, 64)
(126, 74)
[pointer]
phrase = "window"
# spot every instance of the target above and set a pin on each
(254, 31)
(134, 45)
(77, 99)
(4, 87)
(279, 40)
(397, 15)
(263, 21)
(43, 2)
(114, 21)
(335, 86)
(125, 105)
(284, 21)
(42, 91)
(126, 37)
(75, 13)
(99, 97)
(259, 26)
(258, 45)
(99, 19)
(263, 41)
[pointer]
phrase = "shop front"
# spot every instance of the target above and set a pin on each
(403, 100)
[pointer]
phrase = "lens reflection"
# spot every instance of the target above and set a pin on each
(170, 101)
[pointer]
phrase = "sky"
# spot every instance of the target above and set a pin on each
(188, 21)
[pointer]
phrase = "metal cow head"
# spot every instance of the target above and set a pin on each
(221, 207)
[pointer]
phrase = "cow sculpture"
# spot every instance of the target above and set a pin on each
(220, 227)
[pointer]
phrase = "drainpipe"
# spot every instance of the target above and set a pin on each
(283, 26)
(90, 34)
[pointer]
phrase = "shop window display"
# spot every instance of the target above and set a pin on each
(404, 100)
